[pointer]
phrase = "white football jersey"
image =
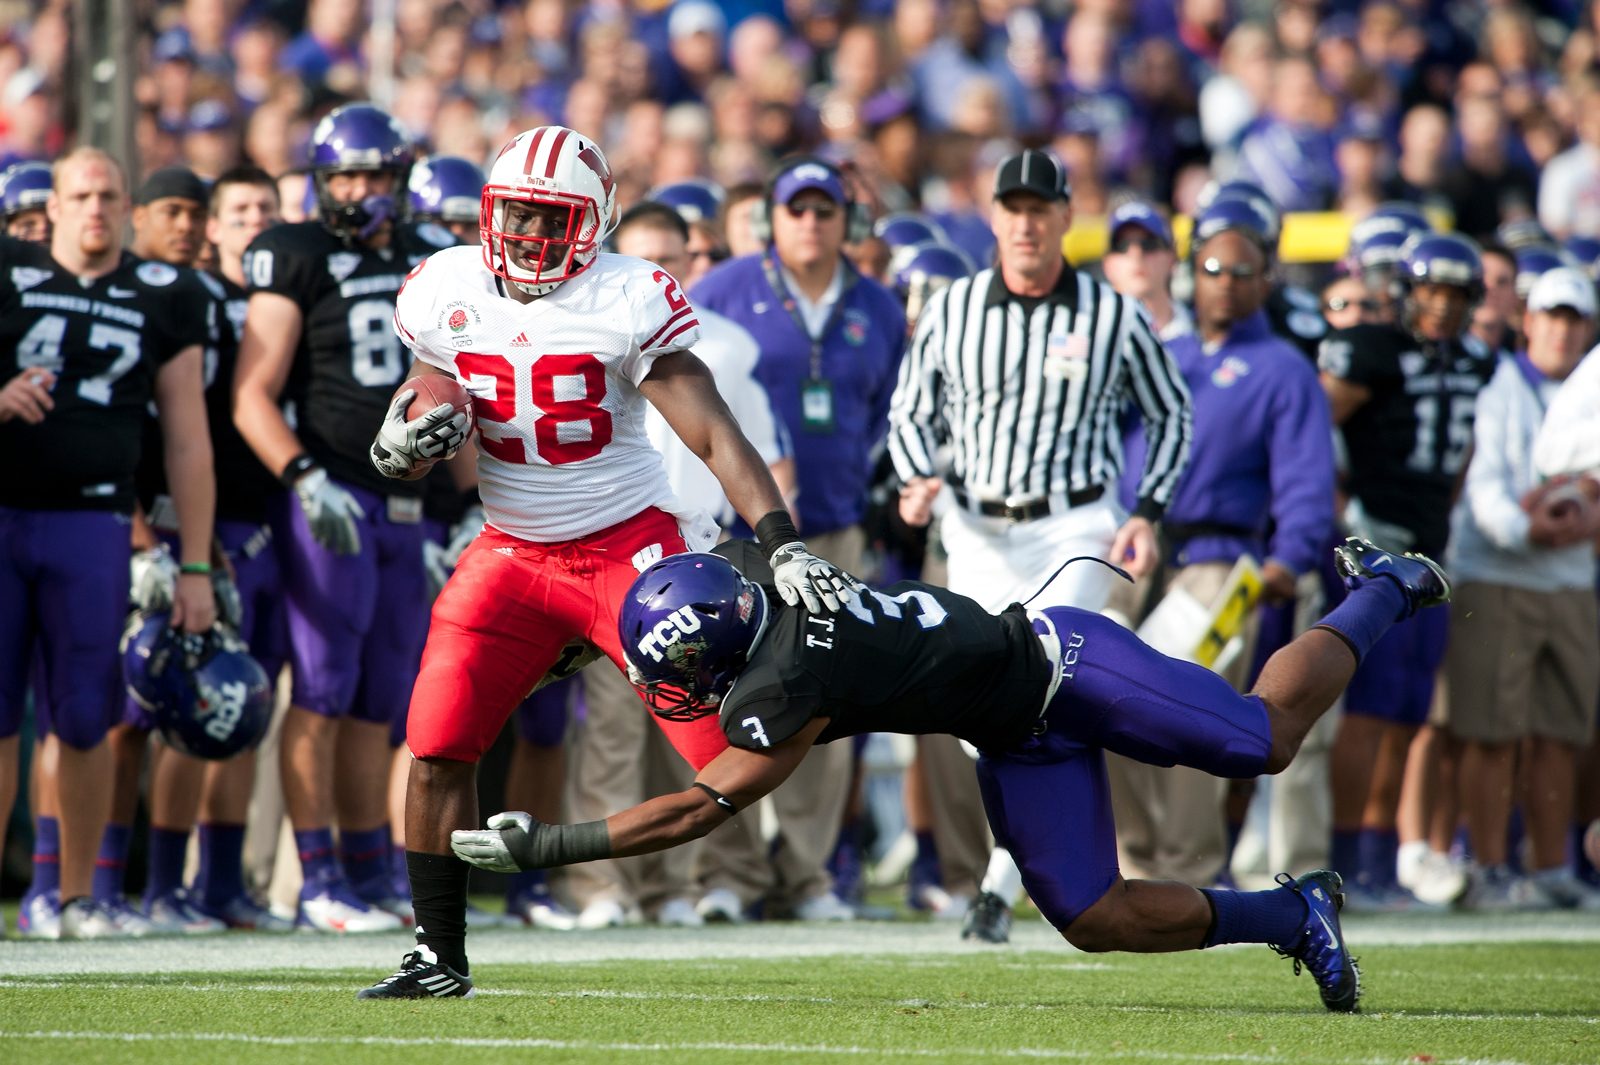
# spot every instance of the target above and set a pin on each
(562, 449)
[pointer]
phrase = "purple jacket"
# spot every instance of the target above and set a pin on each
(1262, 457)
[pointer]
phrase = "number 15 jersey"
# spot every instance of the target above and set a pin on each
(562, 449)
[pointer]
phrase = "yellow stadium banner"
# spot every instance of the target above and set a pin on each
(1307, 237)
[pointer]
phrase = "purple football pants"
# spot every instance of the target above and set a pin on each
(1047, 799)
(63, 600)
(357, 623)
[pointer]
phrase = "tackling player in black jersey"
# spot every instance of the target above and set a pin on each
(1042, 695)
(318, 335)
(89, 336)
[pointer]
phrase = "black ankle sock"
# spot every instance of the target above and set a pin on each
(439, 899)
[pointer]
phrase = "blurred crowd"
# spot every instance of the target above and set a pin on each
(1485, 117)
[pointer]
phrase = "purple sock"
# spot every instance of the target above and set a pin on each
(925, 866)
(521, 885)
(168, 848)
(112, 861)
(399, 882)
(1273, 916)
(1345, 853)
(1379, 847)
(365, 856)
(1366, 614)
(317, 861)
(46, 856)
(220, 879)
(1580, 859)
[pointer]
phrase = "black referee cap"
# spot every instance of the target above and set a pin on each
(172, 181)
(1039, 173)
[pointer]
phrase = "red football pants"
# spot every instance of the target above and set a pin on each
(504, 617)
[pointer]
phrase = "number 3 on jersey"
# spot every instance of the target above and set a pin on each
(566, 389)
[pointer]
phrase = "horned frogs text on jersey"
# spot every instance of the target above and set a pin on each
(562, 449)
(105, 341)
(349, 362)
(1409, 442)
(956, 668)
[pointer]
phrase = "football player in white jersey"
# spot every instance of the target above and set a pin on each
(560, 346)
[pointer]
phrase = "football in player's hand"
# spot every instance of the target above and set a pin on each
(433, 389)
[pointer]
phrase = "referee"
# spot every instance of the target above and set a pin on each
(1023, 372)
(1014, 389)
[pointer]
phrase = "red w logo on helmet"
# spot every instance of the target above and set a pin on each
(592, 159)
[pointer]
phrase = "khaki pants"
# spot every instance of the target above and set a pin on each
(618, 757)
(808, 807)
(1170, 821)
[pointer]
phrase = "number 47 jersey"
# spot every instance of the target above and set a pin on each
(562, 450)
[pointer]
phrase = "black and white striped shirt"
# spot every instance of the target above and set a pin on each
(1028, 394)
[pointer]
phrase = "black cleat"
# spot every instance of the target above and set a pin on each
(1319, 944)
(1420, 578)
(988, 919)
(421, 975)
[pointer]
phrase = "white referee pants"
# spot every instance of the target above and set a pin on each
(999, 562)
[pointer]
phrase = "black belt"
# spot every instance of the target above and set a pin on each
(1182, 532)
(1020, 512)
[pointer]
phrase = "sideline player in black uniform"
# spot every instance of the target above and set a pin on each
(318, 333)
(89, 335)
(1041, 695)
(1403, 396)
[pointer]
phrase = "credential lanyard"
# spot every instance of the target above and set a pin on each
(775, 279)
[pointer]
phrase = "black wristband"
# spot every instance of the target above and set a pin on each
(720, 799)
(776, 530)
(297, 468)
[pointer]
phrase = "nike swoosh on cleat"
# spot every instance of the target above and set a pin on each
(1334, 935)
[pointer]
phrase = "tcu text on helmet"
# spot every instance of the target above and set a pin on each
(668, 631)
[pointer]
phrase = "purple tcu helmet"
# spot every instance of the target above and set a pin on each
(1442, 259)
(905, 228)
(23, 187)
(1241, 213)
(1239, 189)
(1534, 261)
(358, 137)
(687, 626)
(1376, 240)
(208, 697)
(444, 188)
(1586, 250)
(695, 200)
(920, 270)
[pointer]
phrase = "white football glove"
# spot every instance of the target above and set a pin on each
(486, 848)
(152, 579)
(803, 577)
(466, 530)
(331, 512)
(402, 446)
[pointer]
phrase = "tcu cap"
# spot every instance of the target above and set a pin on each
(1030, 171)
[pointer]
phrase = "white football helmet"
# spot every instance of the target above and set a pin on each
(551, 167)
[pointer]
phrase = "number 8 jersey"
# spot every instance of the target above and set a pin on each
(348, 363)
(562, 450)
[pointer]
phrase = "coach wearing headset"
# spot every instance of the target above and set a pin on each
(831, 342)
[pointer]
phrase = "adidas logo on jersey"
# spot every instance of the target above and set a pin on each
(520, 341)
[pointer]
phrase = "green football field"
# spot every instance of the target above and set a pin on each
(1437, 989)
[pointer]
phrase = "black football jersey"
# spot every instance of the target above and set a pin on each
(105, 341)
(1295, 314)
(349, 362)
(911, 658)
(244, 485)
(1407, 445)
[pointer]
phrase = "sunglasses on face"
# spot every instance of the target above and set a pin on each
(1213, 267)
(716, 255)
(1147, 244)
(823, 210)
(1340, 303)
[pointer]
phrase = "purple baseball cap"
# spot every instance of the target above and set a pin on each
(808, 174)
(1141, 214)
